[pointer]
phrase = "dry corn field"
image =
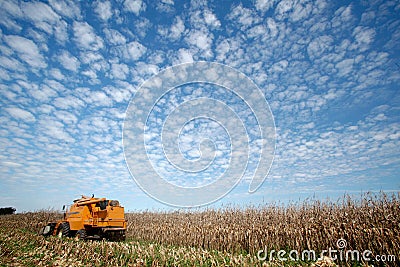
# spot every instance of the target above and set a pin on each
(225, 237)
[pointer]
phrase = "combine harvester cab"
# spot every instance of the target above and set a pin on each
(94, 218)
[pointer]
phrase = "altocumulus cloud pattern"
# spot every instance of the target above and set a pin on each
(330, 71)
(201, 113)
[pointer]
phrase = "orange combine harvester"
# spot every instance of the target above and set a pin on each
(90, 217)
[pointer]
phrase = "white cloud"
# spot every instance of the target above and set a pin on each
(45, 19)
(265, 5)
(88, 57)
(114, 37)
(367, 17)
(166, 6)
(39, 38)
(185, 56)
(135, 50)
(283, 7)
(68, 61)
(85, 37)
(301, 11)
(342, 17)
(66, 117)
(168, 2)
(39, 12)
(118, 94)
(11, 63)
(43, 93)
(245, 17)
(200, 39)
(12, 8)
(55, 129)
(21, 114)
(222, 49)
(119, 71)
(363, 36)
(61, 31)
(55, 85)
(279, 66)
(211, 20)
(66, 8)
(142, 26)
(320, 46)
(345, 66)
(256, 31)
(144, 71)
(103, 10)
(8, 11)
(27, 50)
(134, 6)
(68, 102)
(5, 76)
(98, 98)
(90, 73)
(271, 24)
(177, 29)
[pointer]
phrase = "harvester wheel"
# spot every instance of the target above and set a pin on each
(81, 234)
(122, 236)
(116, 235)
(47, 230)
(63, 230)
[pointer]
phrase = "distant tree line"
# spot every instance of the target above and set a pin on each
(5, 211)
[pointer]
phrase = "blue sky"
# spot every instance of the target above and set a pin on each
(330, 71)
